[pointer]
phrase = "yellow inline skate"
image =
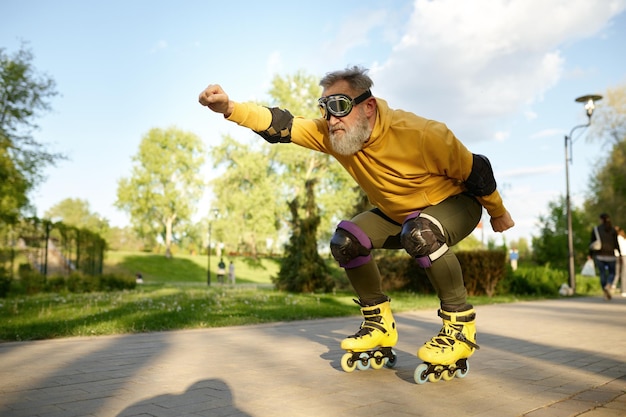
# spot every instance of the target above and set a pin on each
(445, 355)
(372, 344)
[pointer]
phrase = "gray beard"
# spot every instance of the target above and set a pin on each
(353, 138)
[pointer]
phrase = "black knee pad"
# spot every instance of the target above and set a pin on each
(350, 245)
(422, 238)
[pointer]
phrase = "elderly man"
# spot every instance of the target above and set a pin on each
(428, 191)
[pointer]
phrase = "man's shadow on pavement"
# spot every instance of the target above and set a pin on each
(208, 397)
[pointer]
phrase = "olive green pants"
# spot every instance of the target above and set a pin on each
(458, 216)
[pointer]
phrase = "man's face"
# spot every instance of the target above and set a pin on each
(350, 132)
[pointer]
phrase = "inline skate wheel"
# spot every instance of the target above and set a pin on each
(391, 362)
(378, 361)
(448, 374)
(364, 362)
(347, 364)
(460, 373)
(436, 376)
(421, 374)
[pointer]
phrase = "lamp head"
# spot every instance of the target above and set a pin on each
(589, 101)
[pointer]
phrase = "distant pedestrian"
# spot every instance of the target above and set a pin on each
(221, 271)
(620, 270)
(513, 258)
(139, 278)
(604, 255)
(231, 273)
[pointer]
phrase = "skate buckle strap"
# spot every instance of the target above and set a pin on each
(374, 325)
(372, 312)
(457, 317)
(367, 327)
(461, 338)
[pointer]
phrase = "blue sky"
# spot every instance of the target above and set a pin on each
(502, 74)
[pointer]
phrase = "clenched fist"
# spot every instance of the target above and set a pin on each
(216, 99)
(502, 223)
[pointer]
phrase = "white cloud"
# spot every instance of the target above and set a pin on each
(530, 171)
(353, 33)
(458, 64)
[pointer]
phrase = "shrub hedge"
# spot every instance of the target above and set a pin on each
(486, 272)
(482, 271)
(32, 282)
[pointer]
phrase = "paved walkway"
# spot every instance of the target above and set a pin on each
(548, 358)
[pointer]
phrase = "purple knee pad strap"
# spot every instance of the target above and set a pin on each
(363, 240)
(424, 261)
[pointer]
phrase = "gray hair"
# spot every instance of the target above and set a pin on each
(356, 77)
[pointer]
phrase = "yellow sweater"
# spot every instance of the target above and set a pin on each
(408, 164)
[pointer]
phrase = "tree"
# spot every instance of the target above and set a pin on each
(24, 96)
(13, 188)
(303, 270)
(609, 119)
(607, 184)
(550, 247)
(608, 187)
(247, 195)
(76, 212)
(165, 184)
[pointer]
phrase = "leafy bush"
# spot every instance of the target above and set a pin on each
(55, 284)
(32, 281)
(587, 285)
(542, 280)
(400, 272)
(78, 283)
(113, 282)
(482, 270)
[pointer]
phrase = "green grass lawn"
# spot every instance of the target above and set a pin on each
(158, 307)
(175, 295)
(156, 268)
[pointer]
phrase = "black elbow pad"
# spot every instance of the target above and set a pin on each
(280, 128)
(481, 181)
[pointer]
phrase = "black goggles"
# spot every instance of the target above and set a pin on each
(340, 105)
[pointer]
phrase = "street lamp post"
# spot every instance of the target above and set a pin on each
(208, 271)
(589, 101)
